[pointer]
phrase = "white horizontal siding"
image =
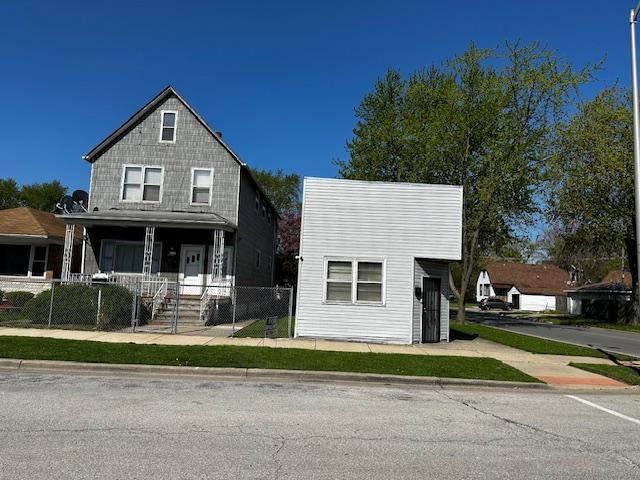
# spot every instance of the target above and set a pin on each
(391, 221)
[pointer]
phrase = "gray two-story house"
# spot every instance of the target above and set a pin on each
(169, 199)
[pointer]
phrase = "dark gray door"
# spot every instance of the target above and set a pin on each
(430, 310)
(515, 299)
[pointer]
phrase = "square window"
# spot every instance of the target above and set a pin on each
(142, 184)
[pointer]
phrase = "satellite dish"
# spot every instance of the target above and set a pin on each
(66, 203)
(80, 201)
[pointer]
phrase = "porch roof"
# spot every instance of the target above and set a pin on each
(149, 218)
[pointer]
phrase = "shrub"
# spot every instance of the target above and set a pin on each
(78, 304)
(18, 299)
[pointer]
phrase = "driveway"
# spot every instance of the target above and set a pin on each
(77, 427)
(610, 340)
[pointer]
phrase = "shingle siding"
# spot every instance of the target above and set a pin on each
(254, 232)
(194, 147)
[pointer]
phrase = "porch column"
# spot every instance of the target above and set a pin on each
(147, 259)
(218, 256)
(67, 252)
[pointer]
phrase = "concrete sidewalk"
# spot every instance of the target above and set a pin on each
(551, 369)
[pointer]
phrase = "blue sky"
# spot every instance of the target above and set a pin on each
(279, 79)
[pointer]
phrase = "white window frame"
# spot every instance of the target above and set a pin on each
(117, 242)
(142, 184)
(175, 127)
(354, 280)
(193, 170)
(32, 254)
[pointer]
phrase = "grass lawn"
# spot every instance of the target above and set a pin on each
(627, 375)
(259, 357)
(587, 322)
(256, 329)
(528, 343)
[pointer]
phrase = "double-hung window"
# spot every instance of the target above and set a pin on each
(339, 281)
(354, 281)
(201, 182)
(141, 183)
(168, 127)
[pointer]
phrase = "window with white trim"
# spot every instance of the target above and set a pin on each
(369, 282)
(141, 184)
(168, 127)
(339, 281)
(201, 181)
(354, 281)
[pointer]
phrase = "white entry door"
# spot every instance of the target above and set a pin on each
(192, 269)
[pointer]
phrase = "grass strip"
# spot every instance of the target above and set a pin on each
(256, 329)
(259, 357)
(628, 375)
(587, 322)
(527, 342)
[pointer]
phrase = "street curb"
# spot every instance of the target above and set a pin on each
(255, 374)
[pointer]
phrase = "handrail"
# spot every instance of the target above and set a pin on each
(159, 296)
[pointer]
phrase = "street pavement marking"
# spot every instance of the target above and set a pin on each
(612, 412)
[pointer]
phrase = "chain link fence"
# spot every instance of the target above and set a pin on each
(77, 306)
(252, 311)
(156, 305)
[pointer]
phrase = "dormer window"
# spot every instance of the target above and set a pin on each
(168, 126)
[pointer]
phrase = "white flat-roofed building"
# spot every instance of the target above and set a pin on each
(374, 260)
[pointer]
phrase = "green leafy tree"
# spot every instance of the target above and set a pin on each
(9, 193)
(42, 196)
(484, 121)
(282, 188)
(592, 194)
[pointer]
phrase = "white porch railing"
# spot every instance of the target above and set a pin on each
(148, 286)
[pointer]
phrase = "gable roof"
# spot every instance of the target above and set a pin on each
(151, 105)
(542, 279)
(25, 221)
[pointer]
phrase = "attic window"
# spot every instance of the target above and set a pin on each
(168, 126)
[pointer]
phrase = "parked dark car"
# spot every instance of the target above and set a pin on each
(495, 302)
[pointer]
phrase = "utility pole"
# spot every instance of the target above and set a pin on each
(633, 17)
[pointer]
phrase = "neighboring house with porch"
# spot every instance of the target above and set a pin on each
(31, 243)
(603, 299)
(374, 260)
(531, 287)
(170, 200)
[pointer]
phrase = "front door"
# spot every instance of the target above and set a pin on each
(515, 299)
(192, 269)
(430, 310)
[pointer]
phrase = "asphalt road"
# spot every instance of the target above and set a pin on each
(72, 427)
(606, 339)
